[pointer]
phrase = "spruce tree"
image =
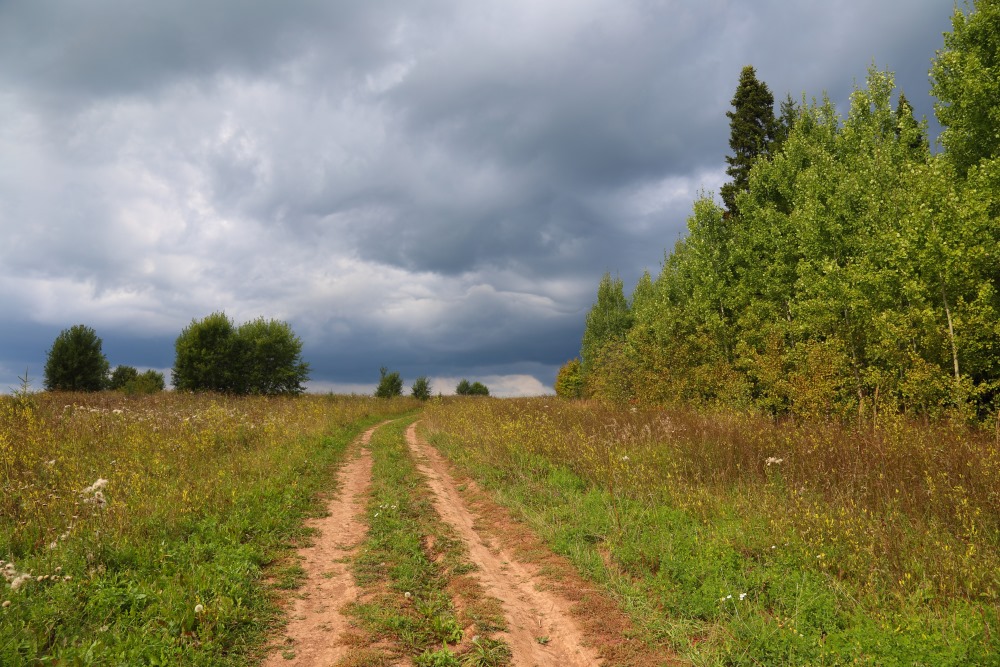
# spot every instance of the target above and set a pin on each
(752, 131)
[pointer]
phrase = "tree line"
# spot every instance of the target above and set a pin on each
(848, 270)
(212, 354)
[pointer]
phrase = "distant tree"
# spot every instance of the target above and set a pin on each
(259, 357)
(204, 355)
(421, 388)
(121, 376)
(569, 382)
(149, 382)
(466, 388)
(785, 122)
(966, 85)
(75, 361)
(389, 385)
(752, 131)
(268, 359)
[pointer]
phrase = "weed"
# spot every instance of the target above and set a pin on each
(487, 652)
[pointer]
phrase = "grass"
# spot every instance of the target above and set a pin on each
(165, 561)
(419, 599)
(741, 541)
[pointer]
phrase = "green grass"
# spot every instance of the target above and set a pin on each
(410, 562)
(205, 496)
(744, 573)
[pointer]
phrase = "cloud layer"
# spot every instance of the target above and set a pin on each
(434, 186)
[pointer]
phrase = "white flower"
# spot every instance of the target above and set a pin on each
(198, 608)
(19, 581)
(99, 484)
(6, 603)
(407, 595)
(742, 595)
(773, 460)
(625, 458)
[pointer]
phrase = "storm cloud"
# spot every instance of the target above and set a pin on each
(432, 186)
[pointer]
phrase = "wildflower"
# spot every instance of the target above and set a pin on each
(625, 458)
(19, 581)
(53, 545)
(743, 596)
(773, 460)
(96, 486)
(407, 595)
(6, 603)
(198, 608)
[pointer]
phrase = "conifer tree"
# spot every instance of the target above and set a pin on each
(752, 131)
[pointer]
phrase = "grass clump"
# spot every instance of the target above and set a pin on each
(146, 524)
(744, 541)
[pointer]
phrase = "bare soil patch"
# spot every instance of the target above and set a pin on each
(317, 631)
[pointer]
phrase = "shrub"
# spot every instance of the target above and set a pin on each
(421, 388)
(569, 381)
(390, 384)
(465, 388)
(75, 361)
(121, 376)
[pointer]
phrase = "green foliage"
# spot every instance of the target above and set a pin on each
(608, 321)
(569, 382)
(967, 86)
(465, 388)
(127, 379)
(860, 278)
(75, 361)
(121, 376)
(421, 388)
(753, 128)
(389, 385)
(258, 357)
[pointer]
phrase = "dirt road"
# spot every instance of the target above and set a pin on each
(542, 628)
(316, 623)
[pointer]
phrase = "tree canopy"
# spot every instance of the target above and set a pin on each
(860, 273)
(258, 357)
(75, 362)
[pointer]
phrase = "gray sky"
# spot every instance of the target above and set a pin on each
(433, 186)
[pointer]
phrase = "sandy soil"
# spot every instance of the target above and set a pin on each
(316, 623)
(532, 613)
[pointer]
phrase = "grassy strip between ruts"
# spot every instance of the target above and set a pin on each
(418, 596)
(163, 563)
(721, 584)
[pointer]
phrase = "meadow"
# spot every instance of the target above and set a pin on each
(740, 540)
(156, 529)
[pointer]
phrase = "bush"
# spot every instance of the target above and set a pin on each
(121, 376)
(75, 361)
(569, 381)
(258, 357)
(464, 388)
(389, 385)
(421, 388)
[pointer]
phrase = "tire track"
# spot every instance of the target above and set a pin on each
(542, 630)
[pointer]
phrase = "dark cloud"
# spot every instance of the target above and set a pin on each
(436, 186)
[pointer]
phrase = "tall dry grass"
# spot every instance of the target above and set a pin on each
(901, 509)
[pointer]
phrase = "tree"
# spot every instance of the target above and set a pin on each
(608, 320)
(269, 359)
(465, 388)
(421, 388)
(75, 361)
(752, 130)
(569, 383)
(259, 357)
(130, 381)
(967, 87)
(121, 376)
(389, 385)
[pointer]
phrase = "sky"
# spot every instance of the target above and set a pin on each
(434, 186)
